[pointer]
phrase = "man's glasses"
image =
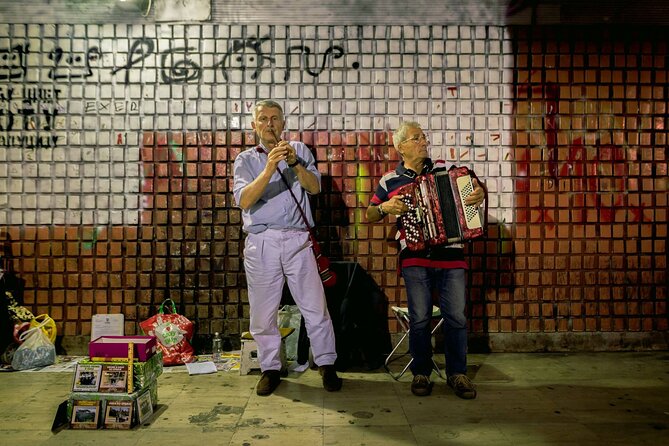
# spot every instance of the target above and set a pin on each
(417, 139)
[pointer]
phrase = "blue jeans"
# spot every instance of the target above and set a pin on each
(450, 285)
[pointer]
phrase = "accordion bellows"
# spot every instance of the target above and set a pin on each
(437, 212)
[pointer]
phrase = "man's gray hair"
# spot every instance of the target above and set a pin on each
(266, 103)
(400, 135)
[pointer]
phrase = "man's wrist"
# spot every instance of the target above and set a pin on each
(382, 213)
(297, 161)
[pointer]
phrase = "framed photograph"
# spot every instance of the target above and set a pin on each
(118, 414)
(87, 378)
(114, 378)
(85, 414)
(144, 406)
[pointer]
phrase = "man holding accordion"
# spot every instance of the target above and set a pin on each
(429, 266)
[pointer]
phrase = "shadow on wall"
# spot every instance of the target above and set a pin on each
(491, 280)
(357, 305)
(331, 217)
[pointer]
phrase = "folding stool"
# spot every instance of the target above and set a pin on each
(402, 315)
(249, 354)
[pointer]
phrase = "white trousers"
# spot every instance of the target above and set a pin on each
(271, 258)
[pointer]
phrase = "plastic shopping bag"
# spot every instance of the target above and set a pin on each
(173, 333)
(289, 317)
(35, 351)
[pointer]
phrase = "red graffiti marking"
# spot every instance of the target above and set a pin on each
(599, 172)
(552, 93)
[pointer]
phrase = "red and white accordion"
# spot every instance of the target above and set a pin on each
(437, 212)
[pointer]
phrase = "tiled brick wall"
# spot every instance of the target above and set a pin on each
(117, 145)
(590, 150)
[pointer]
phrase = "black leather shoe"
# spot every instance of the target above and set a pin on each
(269, 381)
(331, 382)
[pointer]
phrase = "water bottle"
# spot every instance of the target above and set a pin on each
(216, 348)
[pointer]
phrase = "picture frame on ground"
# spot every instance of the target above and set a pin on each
(87, 378)
(85, 414)
(114, 379)
(144, 406)
(118, 414)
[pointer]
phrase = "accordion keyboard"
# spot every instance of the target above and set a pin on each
(413, 219)
(472, 215)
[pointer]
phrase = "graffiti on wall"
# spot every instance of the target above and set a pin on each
(13, 62)
(28, 113)
(594, 174)
(175, 64)
(244, 55)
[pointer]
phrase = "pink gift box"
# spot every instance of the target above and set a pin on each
(117, 347)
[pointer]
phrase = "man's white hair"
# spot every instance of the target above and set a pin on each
(266, 103)
(400, 135)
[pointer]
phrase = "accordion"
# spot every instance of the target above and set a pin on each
(437, 212)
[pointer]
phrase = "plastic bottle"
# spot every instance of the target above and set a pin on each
(216, 348)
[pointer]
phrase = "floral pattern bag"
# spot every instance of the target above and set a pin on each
(173, 332)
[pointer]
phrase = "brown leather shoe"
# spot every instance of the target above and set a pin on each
(421, 385)
(462, 386)
(269, 381)
(331, 382)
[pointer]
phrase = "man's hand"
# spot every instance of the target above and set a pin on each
(395, 206)
(281, 152)
(291, 155)
(477, 195)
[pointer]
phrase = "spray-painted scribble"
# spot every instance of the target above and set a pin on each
(552, 93)
(178, 71)
(305, 51)
(29, 141)
(120, 106)
(90, 243)
(74, 63)
(13, 62)
(30, 112)
(38, 116)
(140, 50)
(586, 162)
(245, 55)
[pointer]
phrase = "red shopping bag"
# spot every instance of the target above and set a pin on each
(173, 332)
